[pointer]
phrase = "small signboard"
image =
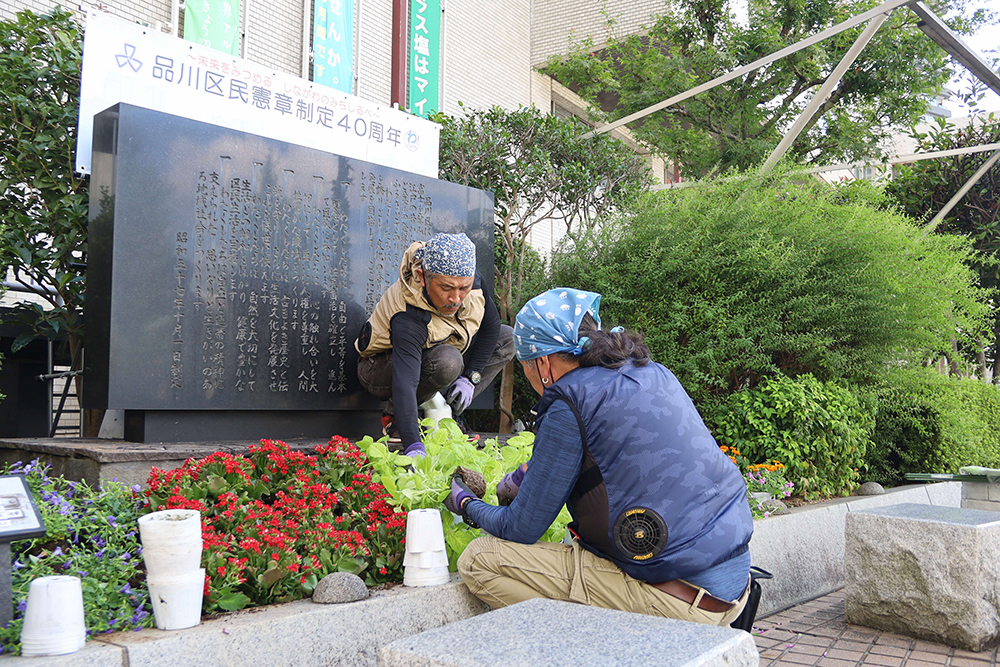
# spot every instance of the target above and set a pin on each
(19, 517)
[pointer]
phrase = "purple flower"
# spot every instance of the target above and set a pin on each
(126, 589)
(100, 554)
(112, 520)
(57, 552)
(82, 573)
(66, 565)
(136, 488)
(22, 605)
(18, 565)
(125, 556)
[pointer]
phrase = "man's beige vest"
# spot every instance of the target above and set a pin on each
(442, 329)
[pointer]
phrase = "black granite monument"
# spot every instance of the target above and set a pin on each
(229, 274)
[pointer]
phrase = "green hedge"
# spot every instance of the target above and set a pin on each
(928, 422)
(737, 280)
(819, 430)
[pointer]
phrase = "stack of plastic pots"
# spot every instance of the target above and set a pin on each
(426, 561)
(436, 408)
(171, 550)
(53, 619)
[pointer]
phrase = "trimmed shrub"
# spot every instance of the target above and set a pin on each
(927, 422)
(736, 280)
(819, 430)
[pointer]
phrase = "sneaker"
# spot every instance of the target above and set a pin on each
(389, 429)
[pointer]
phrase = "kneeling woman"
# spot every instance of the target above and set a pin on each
(660, 517)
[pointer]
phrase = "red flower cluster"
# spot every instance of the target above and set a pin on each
(276, 522)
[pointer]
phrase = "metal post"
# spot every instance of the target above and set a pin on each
(942, 35)
(246, 29)
(306, 24)
(397, 84)
(824, 92)
(356, 84)
(175, 17)
(746, 69)
(932, 225)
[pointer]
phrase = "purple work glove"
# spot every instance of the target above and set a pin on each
(416, 450)
(459, 395)
(510, 484)
(459, 496)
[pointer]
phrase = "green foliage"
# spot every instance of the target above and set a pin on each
(425, 482)
(43, 205)
(739, 123)
(923, 188)
(91, 534)
(755, 276)
(541, 171)
(819, 431)
(928, 422)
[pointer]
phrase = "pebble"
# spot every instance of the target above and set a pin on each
(871, 489)
(340, 587)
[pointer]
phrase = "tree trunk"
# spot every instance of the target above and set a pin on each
(506, 396)
(996, 352)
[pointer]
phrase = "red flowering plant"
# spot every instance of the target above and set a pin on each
(276, 522)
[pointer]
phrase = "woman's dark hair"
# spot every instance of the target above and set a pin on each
(610, 350)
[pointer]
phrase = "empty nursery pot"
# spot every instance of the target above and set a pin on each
(171, 542)
(53, 619)
(177, 599)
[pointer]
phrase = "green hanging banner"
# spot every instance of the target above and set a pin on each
(425, 57)
(213, 23)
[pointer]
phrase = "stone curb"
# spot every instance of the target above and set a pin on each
(296, 633)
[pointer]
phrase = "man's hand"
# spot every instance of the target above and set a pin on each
(510, 484)
(459, 496)
(459, 395)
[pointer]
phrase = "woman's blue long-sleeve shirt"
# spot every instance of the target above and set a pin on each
(555, 464)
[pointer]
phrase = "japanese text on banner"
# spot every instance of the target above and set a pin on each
(213, 23)
(425, 56)
(333, 44)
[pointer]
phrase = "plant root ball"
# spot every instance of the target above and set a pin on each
(473, 479)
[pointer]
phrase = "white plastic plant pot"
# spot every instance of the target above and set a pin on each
(425, 562)
(435, 576)
(53, 619)
(177, 599)
(436, 408)
(424, 530)
(171, 542)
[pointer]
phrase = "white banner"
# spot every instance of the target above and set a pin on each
(126, 62)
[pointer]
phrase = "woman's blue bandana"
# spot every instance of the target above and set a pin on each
(550, 323)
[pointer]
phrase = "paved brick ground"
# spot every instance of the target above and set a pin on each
(815, 633)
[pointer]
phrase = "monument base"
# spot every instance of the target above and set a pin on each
(172, 426)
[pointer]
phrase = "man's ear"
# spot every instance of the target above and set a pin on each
(420, 276)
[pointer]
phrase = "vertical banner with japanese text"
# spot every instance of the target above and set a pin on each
(425, 57)
(213, 23)
(333, 44)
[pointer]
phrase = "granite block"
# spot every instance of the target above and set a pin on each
(925, 571)
(564, 634)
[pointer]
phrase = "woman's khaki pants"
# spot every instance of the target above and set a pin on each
(502, 573)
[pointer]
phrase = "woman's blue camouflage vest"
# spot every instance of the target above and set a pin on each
(650, 465)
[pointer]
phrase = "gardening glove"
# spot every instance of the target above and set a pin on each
(459, 395)
(510, 484)
(416, 450)
(459, 496)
